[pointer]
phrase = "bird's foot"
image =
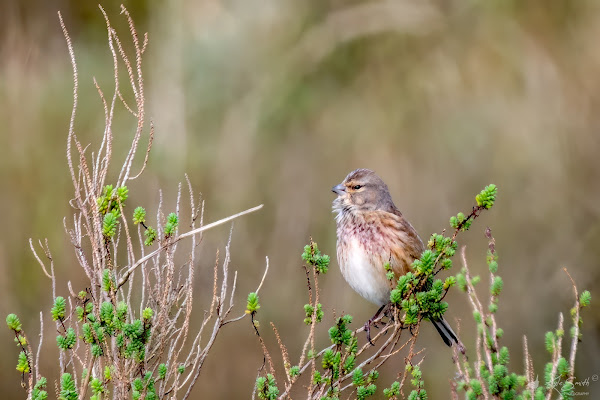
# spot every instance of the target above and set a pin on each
(368, 330)
(373, 321)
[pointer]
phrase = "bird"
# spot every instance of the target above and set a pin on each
(371, 232)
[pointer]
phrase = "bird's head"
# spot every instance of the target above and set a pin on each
(362, 190)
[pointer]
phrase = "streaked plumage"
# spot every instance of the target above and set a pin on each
(370, 232)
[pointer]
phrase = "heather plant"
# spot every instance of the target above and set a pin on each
(489, 375)
(345, 369)
(127, 333)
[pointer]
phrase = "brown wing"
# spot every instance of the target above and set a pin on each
(401, 239)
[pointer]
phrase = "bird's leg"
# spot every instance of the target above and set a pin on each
(370, 322)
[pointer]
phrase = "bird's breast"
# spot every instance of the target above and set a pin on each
(363, 268)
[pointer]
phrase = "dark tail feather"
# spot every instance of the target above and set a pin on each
(448, 334)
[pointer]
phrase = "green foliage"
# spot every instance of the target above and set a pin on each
(339, 333)
(107, 312)
(294, 371)
(539, 394)
(97, 350)
(362, 392)
(121, 311)
(349, 363)
(548, 378)
(39, 392)
(317, 379)
(449, 282)
(88, 336)
(266, 388)
(446, 263)
(122, 193)
(173, 219)
(139, 215)
(107, 281)
(162, 371)
(143, 388)
(308, 310)
(109, 225)
(418, 293)
(137, 387)
(567, 391)
(353, 346)
(500, 382)
(133, 340)
(23, 363)
(171, 225)
(13, 322)
(357, 377)
(460, 222)
(364, 386)
(492, 261)
(419, 392)
(503, 356)
(67, 388)
(425, 264)
(328, 359)
(147, 314)
(416, 374)
(476, 387)
(420, 296)
(107, 373)
(497, 285)
(21, 340)
(312, 256)
(59, 308)
(373, 376)
(493, 266)
(392, 391)
(252, 305)
(461, 280)
(150, 236)
(181, 368)
(487, 196)
(550, 340)
(108, 202)
(389, 271)
(97, 386)
(585, 298)
(417, 395)
(104, 201)
(485, 200)
(563, 368)
(82, 312)
(67, 341)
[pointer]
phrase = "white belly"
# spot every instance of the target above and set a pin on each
(363, 276)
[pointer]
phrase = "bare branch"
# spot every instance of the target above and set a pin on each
(183, 236)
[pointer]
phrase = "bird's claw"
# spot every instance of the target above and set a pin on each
(367, 328)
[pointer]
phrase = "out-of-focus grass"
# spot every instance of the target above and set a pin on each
(275, 101)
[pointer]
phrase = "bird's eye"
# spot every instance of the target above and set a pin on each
(356, 187)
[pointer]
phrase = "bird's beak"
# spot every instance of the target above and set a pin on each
(338, 189)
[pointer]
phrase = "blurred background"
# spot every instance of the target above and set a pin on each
(274, 102)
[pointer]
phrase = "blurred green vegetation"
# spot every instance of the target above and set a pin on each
(274, 102)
